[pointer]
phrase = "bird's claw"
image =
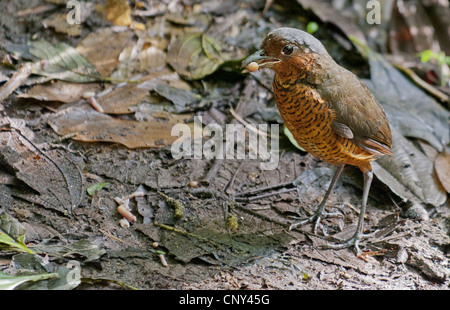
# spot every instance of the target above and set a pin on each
(316, 217)
(303, 221)
(352, 242)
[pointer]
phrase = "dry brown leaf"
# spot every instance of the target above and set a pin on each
(409, 173)
(119, 100)
(51, 173)
(152, 58)
(123, 97)
(60, 91)
(442, 166)
(117, 11)
(59, 23)
(136, 59)
(102, 48)
(91, 126)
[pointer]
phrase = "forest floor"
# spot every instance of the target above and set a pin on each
(232, 232)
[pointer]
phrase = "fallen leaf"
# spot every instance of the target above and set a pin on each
(59, 22)
(117, 11)
(103, 47)
(96, 187)
(12, 233)
(9, 282)
(84, 248)
(122, 98)
(91, 126)
(194, 55)
(56, 179)
(61, 61)
(60, 91)
(181, 98)
(125, 98)
(442, 166)
(409, 173)
(134, 59)
(44, 274)
(143, 204)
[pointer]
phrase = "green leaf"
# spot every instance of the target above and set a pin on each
(195, 55)
(61, 61)
(9, 282)
(312, 27)
(81, 248)
(51, 275)
(447, 60)
(426, 55)
(291, 138)
(211, 47)
(95, 187)
(12, 233)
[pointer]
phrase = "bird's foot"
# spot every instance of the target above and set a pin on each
(351, 242)
(316, 218)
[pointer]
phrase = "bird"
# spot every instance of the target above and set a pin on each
(330, 112)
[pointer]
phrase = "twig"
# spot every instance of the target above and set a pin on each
(248, 199)
(107, 233)
(15, 81)
(262, 189)
(231, 182)
(429, 88)
(248, 125)
(212, 172)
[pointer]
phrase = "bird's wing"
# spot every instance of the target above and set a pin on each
(359, 116)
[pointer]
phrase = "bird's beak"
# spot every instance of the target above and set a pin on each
(261, 59)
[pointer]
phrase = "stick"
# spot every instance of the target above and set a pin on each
(15, 81)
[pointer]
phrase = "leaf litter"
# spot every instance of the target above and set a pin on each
(182, 63)
(50, 173)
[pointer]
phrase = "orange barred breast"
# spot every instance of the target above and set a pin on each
(309, 119)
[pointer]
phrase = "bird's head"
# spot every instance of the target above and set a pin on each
(285, 50)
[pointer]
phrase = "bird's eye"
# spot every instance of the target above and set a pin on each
(287, 49)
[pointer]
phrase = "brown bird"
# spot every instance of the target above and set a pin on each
(328, 110)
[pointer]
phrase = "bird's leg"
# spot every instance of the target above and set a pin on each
(319, 212)
(354, 240)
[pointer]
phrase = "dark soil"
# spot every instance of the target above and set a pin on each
(220, 242)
